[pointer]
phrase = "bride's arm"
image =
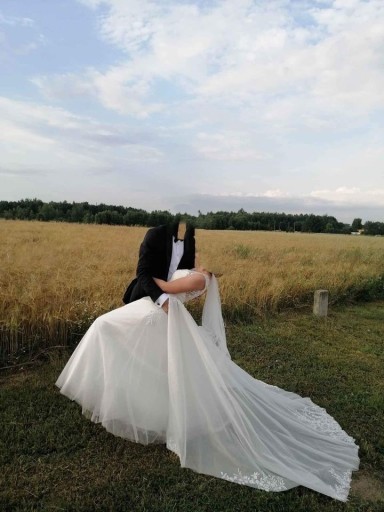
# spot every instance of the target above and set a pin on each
(184, 284)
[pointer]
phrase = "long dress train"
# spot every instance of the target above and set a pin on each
(152, 377)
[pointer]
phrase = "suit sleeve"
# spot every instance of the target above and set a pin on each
(149, 251)
(188, 259)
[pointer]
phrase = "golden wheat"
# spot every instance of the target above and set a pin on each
(267, 270)
(56, 278)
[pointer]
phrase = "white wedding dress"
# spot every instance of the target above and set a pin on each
(156, 378)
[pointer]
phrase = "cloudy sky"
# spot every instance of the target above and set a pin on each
(187, 105)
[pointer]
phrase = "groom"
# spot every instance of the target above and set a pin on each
(163, 250)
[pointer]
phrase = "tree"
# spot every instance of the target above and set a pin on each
(356, 224)
(314, 224)
(47, 212)
(374, 228)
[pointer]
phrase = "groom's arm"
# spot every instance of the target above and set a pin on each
(150, 251)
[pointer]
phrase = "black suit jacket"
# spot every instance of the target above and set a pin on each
(154, 259)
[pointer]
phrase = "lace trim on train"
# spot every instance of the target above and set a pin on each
(321, 421)
(318, 419)
(258, 479)
(275, 483)
(343, 483)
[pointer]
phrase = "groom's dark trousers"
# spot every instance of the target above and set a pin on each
(154, 259)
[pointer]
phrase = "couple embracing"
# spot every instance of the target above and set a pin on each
(153, 377)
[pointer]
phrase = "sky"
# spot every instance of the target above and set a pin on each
(195, 105)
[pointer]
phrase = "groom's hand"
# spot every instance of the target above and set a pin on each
(165, 306)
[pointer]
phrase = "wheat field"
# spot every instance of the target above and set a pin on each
(55, 278)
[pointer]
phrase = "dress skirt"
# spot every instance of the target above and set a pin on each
(150, 377)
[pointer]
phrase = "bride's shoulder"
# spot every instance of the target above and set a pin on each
(187, 272)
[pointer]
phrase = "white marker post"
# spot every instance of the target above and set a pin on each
(320, 303)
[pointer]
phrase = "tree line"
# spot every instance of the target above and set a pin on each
(35, 209)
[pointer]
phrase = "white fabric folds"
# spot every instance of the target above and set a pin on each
(152, 377)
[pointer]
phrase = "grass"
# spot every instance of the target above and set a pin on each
(55, 278)
(52, 458)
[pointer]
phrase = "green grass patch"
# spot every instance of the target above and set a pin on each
(52, 458)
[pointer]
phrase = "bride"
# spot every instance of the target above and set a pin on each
(153, 377)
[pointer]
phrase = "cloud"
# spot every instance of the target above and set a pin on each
(121, 90)
(62, 86)
(54, 140)
(275, 193)
(306, 63)
(16, 21)
(19, 36)
(118, 89)
(272, 104)
(351, 195)
(24, 172)
(227, 145)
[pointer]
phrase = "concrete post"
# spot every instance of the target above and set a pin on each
(320, 303)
